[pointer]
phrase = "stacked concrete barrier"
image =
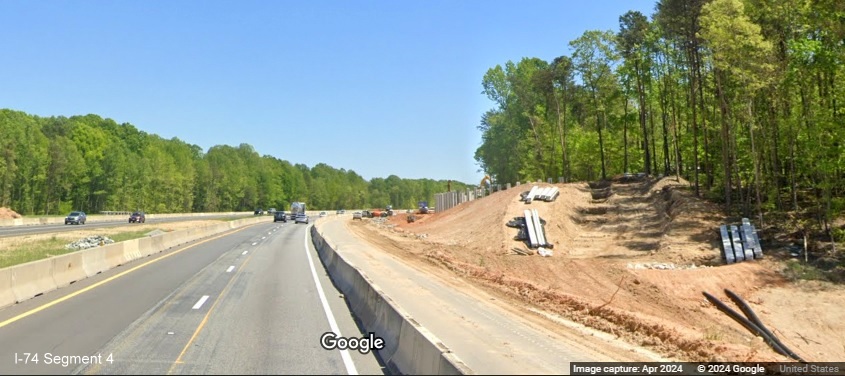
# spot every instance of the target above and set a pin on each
(25, 281)
(409, 347)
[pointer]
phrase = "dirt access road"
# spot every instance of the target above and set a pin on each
(633, 266)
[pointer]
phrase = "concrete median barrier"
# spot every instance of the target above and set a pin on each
(7, 295)
(114, 254)
(145, 247)
(32, 279)
(25, 281)
(156, 243)
(68, 269)
(409, 347)
(94, 260)
(131, 251)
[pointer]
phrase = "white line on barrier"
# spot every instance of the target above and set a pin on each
(344, 354)
(201, 302)
(245, 252)
(230, 269)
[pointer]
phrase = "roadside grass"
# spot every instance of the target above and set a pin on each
(129, 235)
(796, 270)
(33, 251)
(54, 246)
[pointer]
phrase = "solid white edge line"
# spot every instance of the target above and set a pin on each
(201, 302)
(344, 354)
(230, 269)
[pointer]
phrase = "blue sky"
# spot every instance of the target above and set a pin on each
(377, 87)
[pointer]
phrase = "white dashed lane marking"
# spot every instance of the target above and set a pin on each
(201, 302)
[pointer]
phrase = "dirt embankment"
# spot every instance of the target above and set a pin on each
(6, 213)
(633, 265)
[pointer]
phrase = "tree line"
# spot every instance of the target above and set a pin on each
(743, 98)
(52, 165)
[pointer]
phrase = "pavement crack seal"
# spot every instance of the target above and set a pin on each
(208, 314)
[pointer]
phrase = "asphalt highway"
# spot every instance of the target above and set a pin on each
(252, 301)
(116, 221)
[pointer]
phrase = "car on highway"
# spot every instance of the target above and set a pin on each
(76, 217)
(301, 218)
(259, 211)
(138, 217)
(341, 211)
(357, 215)
(323, 214)
(271, 211)
(280, 216)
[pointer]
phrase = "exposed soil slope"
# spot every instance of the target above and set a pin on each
(6, 213)
(603, 272)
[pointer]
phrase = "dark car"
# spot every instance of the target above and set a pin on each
(77, 218)
(280, 216)
(259, 211)
(138, 217)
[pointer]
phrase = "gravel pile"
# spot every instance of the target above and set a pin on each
(89, 242)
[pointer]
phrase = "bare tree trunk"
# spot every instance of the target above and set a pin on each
(642, 117)
(726, 142)
(562, 133)
(538, 144)
(625, 135)
(692, 99)
(653, 144)
(757, 179)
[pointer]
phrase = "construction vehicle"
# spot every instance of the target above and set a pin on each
(486, 184)
(423, 207)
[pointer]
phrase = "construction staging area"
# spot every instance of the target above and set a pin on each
(641, 259)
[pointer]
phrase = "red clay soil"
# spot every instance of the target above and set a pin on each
(6, 213)
(603, 270)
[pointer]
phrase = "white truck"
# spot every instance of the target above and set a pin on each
(296, 208)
